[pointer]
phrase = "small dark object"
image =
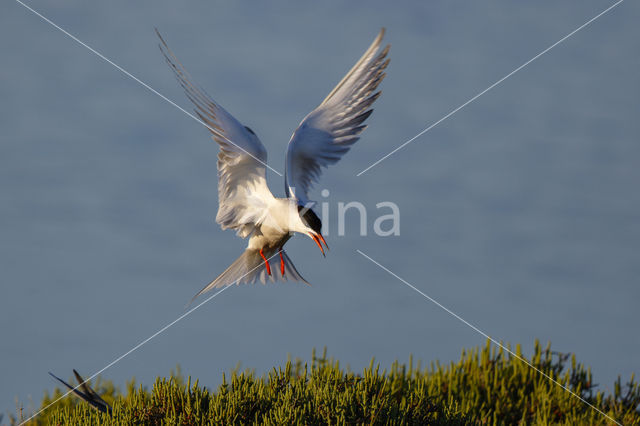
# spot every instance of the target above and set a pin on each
(87, 394)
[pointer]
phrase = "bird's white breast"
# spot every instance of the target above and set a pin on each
(280, 220)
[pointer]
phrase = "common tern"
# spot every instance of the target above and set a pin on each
(84, 392)
(246, 204)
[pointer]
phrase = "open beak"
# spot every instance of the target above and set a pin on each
(317, 238)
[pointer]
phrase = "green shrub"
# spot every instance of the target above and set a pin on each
(487, 386)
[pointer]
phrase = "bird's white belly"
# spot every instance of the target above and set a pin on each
(275, 229)
(268, 238)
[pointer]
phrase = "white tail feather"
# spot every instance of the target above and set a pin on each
(250, 268)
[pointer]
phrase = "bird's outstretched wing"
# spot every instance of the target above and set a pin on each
(86, 393)
(328, 132)
(242, 186)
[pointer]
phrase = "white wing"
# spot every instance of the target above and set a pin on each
(328, 132)
(242, 187)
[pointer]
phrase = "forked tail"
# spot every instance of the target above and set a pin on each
(250, 268)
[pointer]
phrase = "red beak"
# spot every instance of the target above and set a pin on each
(317, 238)
(322, 239)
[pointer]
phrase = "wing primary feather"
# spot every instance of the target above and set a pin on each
(328, 132)
(203, 102)
(87, 394)
(374, 46)
(241, 159)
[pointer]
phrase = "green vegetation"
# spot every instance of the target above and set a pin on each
(487, 386)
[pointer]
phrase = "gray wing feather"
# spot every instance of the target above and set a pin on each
(242, 186)
(87, 394)
(329, 131)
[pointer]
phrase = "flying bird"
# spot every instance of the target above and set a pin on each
(246, 204)
(84, 392)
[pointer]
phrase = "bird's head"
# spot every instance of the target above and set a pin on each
(313, 226)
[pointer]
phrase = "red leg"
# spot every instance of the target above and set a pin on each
(281, 263)
(266, 262)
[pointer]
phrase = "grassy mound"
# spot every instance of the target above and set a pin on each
(486, 386)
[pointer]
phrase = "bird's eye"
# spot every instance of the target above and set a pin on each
(310, 218)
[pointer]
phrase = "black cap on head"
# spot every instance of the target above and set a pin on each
(310, 219)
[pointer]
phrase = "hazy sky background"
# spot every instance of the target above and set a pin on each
(520, 213)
